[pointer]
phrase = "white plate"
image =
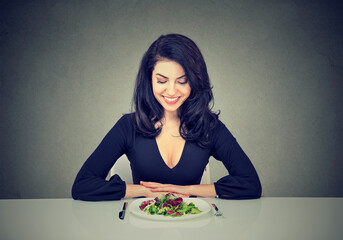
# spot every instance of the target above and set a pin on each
(201, 204)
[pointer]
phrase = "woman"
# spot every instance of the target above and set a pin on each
(170, 136)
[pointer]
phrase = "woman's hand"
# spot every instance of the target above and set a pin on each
(160, 189)
(136, 190)
(150, 194)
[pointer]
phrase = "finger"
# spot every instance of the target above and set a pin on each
(160, 189)
(165, 191)
(155, 185)
(156, 194)
(184, 196)
(170, 189)
(150, 184)
(160, 194)
(144, 182)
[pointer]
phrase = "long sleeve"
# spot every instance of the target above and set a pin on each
(242, 181)
(90, 183)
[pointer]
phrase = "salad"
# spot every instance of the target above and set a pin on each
(168, 205)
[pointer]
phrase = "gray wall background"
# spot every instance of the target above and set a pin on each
(68, 71)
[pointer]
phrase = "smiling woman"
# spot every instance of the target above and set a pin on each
(170, 135)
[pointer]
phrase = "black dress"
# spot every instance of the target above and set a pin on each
(147, 165)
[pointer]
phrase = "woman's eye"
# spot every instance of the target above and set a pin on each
(158, 81)
(183, 82)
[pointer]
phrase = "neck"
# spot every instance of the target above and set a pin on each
(171, 117)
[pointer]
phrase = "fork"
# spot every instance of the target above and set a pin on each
(218, 213)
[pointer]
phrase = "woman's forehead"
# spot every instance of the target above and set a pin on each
(169, 69)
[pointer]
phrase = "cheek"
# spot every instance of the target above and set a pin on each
(156, 89)
(187, 91)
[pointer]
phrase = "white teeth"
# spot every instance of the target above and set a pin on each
(171, 99)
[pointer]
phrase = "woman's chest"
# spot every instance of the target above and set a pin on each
(147, 161)
(170, 148)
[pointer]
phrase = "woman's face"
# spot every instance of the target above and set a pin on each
(170, 85)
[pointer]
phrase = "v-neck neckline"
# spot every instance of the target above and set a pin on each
(159, 153)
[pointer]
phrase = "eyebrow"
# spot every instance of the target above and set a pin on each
(167, 77)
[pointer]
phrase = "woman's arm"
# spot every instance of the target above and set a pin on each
(90, 183)
(243, 181)
(134, 190)
(204, 190)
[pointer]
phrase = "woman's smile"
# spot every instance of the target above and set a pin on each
(171, 100)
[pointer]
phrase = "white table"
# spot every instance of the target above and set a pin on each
(265, 218)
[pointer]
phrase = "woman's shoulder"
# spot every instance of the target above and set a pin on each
(128, 116)
(218, 125)
(127, 120)
(220, 130)
(124, 127)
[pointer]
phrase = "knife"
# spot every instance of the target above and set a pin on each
(122, 212)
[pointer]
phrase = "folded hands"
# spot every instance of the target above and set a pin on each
(154, 189)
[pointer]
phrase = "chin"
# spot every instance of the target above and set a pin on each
(169, 109)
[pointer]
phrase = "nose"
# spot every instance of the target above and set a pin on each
(171, 89)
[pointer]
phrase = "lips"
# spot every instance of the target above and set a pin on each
(169, 100)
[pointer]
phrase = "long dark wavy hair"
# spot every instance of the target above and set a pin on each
(196, 116)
